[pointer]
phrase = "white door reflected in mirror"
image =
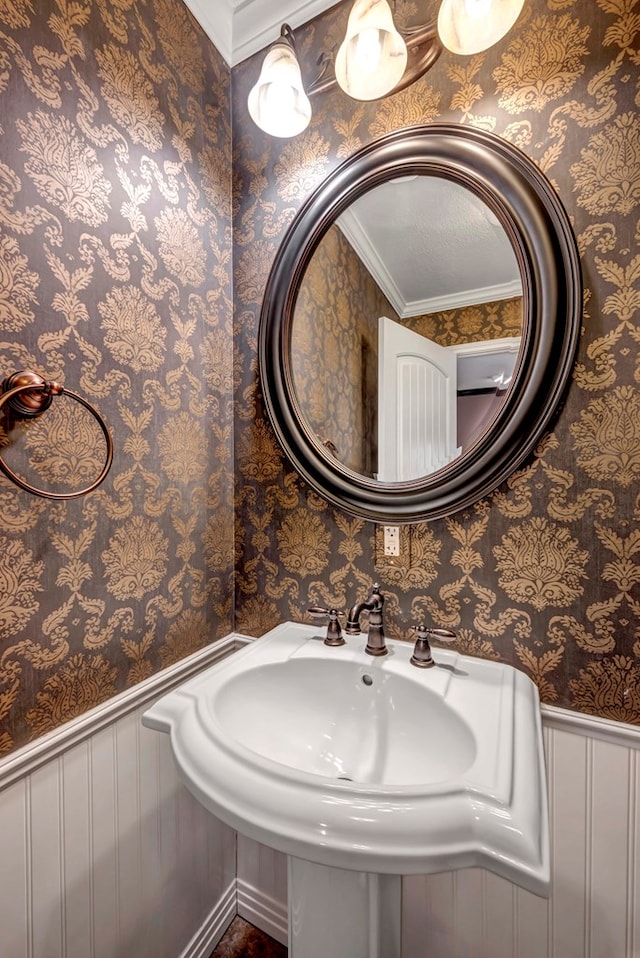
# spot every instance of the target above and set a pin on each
(417, 398)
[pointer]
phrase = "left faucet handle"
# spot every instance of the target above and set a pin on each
(334, 635)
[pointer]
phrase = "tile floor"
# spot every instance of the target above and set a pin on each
(242, 940)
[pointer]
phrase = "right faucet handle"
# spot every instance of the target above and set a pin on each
(422, 656)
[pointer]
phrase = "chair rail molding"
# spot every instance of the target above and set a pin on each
(30, 757)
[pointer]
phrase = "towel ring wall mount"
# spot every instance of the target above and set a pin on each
(28, 395)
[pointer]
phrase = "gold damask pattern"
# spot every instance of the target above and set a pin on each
(608, 173)
(607, 437)
(468, 324)
(540, 564)
(82, 682)
(542, 63)
(115, 279)
(546, 572)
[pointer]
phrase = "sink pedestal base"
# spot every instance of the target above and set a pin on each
(336, 912)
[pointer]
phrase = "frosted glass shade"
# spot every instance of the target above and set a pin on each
(278, 103)
(470, 26)
(373, 56)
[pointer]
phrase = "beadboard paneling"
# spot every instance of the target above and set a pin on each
(262, 888)
(103, 852)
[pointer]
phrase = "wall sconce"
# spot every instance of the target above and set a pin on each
(278, 103)
(373, 56)
(374, 60)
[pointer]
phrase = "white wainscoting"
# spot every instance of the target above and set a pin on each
(103, 853)
(593, 770)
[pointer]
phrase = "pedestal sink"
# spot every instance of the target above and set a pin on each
(362, 769)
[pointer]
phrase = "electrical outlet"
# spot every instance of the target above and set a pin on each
(391, 541)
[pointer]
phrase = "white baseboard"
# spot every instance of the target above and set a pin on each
(210, 933)
(252, 904)
(267, 914)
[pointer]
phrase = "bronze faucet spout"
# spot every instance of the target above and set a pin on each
(373, 605)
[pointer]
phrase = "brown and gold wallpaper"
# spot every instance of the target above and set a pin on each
(545, 573)
(468, 324)
(115, 279)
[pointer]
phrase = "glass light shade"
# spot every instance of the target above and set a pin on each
(470, 26)
(278, 103)
(373, 56)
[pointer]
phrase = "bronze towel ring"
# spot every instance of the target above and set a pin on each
(28, 395)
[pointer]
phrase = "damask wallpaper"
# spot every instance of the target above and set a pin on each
(544, 573)
(467, 324)
(115, 279)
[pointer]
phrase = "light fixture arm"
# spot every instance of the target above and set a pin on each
(423, 47)
(286, 33)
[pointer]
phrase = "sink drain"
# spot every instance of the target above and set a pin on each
(344, 778)
(367, 680)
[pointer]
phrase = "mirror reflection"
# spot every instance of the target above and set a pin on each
(407, 328)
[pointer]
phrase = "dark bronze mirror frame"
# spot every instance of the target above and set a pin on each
(543, 241)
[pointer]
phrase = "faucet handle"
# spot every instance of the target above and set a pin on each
(442, 635)
(422, 656)
(334, 635)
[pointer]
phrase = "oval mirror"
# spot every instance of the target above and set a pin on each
(420, 322)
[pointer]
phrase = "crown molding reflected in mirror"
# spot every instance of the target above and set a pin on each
(516, 195)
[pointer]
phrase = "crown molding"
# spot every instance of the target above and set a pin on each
(466, 297)
(256, 23)
(350, 226)
(240, 28)
(217, 23)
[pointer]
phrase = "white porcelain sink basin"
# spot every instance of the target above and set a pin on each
(339, 718)
(366, 763)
